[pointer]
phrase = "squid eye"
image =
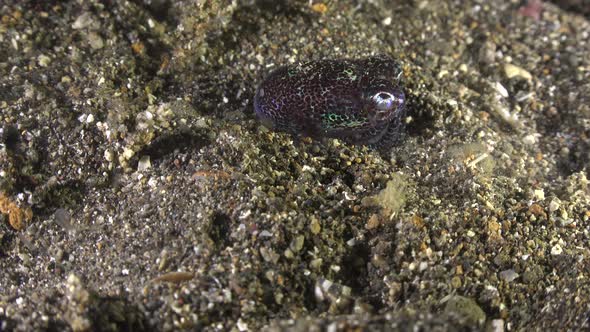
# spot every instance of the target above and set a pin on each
(384, 101)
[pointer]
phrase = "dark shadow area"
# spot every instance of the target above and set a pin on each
(422, 122)
(576, 159)
(10, 137)
(282, 7)
(563, 121)
(354, 267)
(219, 230)
(6, 324)
(55, 325)
(157, 8)
(309, 300)
(7, 238)
(575, 6)
(117, 314)
(165, 144)
(25, 160)
(58, 195)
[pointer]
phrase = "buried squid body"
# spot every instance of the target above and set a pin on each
(357, 101)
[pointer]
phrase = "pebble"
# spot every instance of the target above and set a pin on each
(144, 163)
(554, 206)
(497, 325)
(43, 60)
(95, 41)
(556, 250)
(508, 275)
(83, 21)
(514, 71)
(501, 89)
(539, 194)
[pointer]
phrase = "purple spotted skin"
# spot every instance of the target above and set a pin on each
(358, 101)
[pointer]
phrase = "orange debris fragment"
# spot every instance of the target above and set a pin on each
(17, 217)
